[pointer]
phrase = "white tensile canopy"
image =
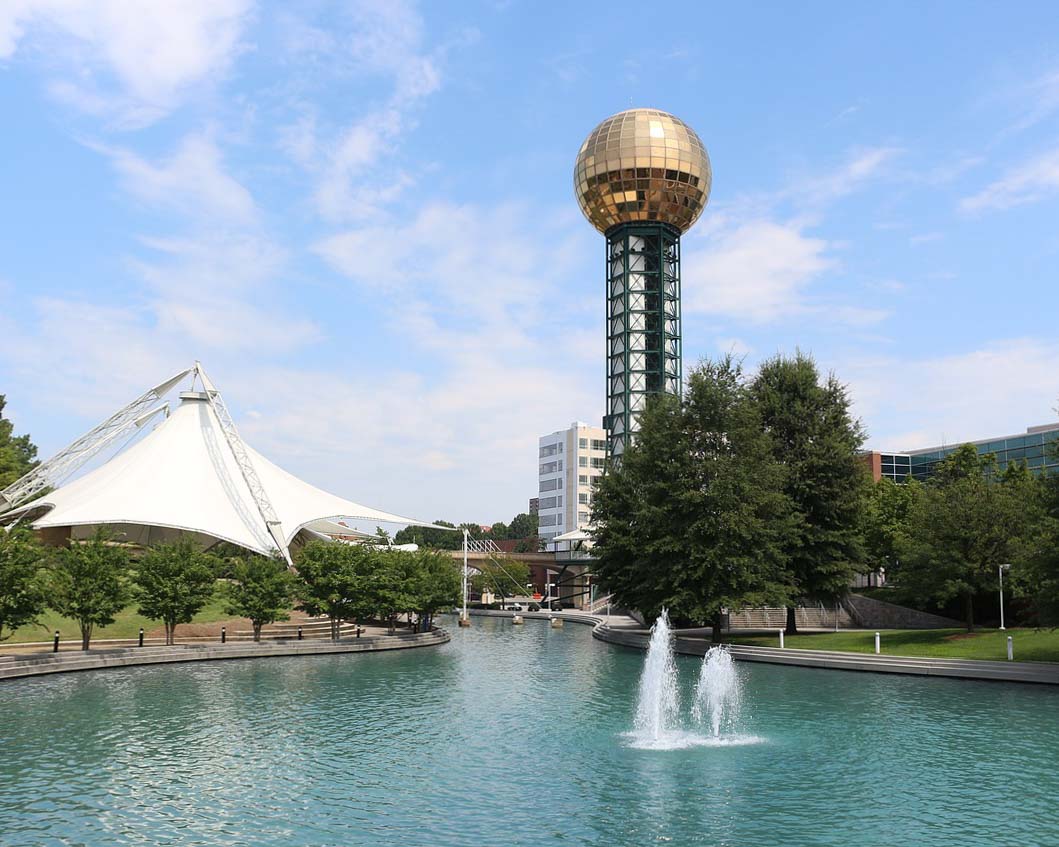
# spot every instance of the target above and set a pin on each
(184, 478)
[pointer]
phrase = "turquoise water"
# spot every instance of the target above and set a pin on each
(514, 736)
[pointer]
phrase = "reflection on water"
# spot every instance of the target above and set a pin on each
(515, 735)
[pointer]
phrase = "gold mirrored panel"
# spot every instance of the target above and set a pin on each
(642, 165)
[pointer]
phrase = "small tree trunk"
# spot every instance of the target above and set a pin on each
(257, 630)
(968, 610)
(792, 621)
(170, 631)
(717, 623)
(86, 635)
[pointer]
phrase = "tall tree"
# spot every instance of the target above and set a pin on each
(89, 583)
(437, 585)
(693, 517)
(392, 587)
(18, 455)
(816, 438)
(968, 521)
(172, 582)
(523, 526)
(332, 581)
(888, 512)
(22, 589)
(259, 588)
(1042, 553)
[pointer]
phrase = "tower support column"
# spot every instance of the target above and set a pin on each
(643, 323)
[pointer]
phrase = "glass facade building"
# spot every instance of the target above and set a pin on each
(1038, 447)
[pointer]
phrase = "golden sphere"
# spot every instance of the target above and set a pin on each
(642, 165)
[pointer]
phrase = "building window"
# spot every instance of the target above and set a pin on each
(560, 465)
(582, 517)
(550, 484)
(598, 444)
(559, 447)
(582, 498)
(582, 443)
(550, 467)
(582, 461)
(582, 480)
(548, 450)
(559, 502)
(546, 503)
(598, 462)
(546, 520)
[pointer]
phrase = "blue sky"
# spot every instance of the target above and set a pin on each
(359, 216)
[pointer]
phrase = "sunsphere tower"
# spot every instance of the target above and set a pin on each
(642, 178)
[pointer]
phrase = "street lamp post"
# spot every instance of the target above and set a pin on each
(464, 619)
(1000, 573)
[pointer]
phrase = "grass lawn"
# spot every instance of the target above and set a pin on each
(126, 625)
(1031, 645)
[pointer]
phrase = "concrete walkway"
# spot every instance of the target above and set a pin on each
(627, 632)
(23, 665)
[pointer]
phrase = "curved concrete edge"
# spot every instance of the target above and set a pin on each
(1034, 672)
(39, 665)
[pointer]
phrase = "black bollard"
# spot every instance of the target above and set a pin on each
(55, 645)
(299, 633)
(141, 636)
(358, 631)
(224, 634)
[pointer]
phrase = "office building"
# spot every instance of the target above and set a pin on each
(1038, 447)
(570, 462)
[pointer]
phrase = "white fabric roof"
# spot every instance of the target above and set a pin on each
(183, 476)
(573, 535)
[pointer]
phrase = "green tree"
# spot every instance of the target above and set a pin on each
(392, 586)
(693, 518)
(22, 592)
(503, 576)
(172, 582)
(89, 583)
(438, 583)
(500, 531)
(434, 539)
(18, 455)
(328, 581)
(1042, 553)
(967, 522)
(815, 437)
(260, 588)
(523, 526)
(888, 512)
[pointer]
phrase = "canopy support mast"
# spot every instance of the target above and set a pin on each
(246, 467)
(50, 473)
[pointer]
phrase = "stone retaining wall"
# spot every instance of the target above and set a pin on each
(878, 614)
(12, 667)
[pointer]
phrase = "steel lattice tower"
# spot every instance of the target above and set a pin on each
(642, 178)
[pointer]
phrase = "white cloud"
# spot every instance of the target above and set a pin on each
(860, 167)
(999, 389)
(130, 62)
(757, 271)
(1024, 184)
(192, 181)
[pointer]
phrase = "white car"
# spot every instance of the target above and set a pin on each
(514, 607)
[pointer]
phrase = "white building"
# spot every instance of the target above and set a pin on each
(570, 461)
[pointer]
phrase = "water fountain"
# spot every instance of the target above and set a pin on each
(717, 694)
(659, 705)
(658, 724)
